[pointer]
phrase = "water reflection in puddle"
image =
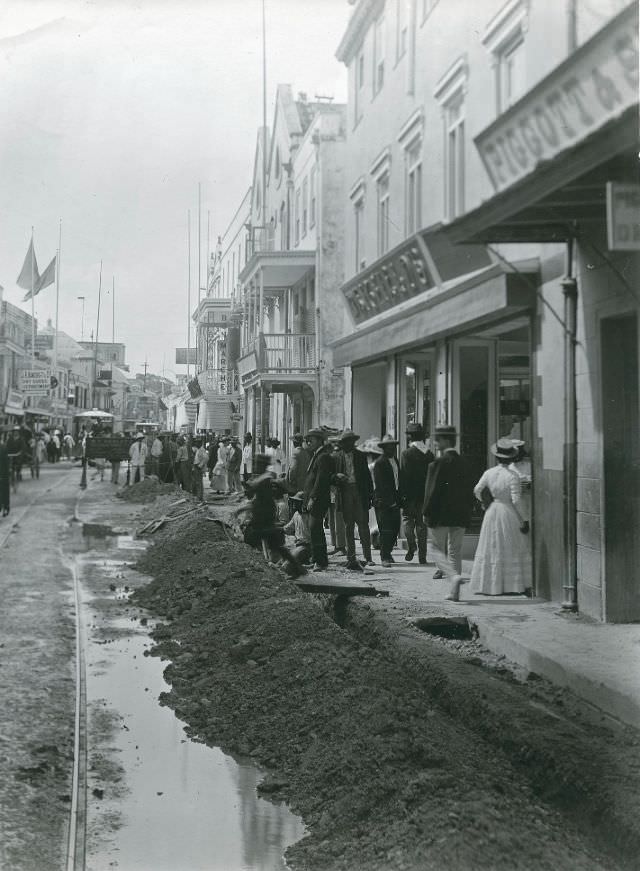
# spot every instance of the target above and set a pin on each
(184, 806)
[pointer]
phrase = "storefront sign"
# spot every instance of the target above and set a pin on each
(35, 382)
(593, 86)
(402, 275)
(623, 216)
(112, 448)
(14, 403)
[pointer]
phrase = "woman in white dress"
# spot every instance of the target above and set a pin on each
(502, 562)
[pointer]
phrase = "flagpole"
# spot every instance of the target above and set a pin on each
(33, 309)
(95, 349)
(55, 337)
(113, 313)
(188, 291)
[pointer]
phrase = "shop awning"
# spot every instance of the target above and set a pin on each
(483, 298)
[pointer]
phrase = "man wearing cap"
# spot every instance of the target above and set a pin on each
(298, 526)
(317, 496)
(448, 503)
(414, 465)
(388, 497)
(138, 456)
(354, 497)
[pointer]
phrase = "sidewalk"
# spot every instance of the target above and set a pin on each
(597, 661)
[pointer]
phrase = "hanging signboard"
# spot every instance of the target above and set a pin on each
(623, 216)
(35, 382)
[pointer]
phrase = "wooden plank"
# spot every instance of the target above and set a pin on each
(335, 588)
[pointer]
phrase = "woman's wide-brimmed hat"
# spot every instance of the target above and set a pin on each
(504, 449)
(370, 446)
(387, 440)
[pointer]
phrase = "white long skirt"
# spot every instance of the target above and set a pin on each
(502, 562)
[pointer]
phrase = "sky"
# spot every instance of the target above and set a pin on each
(111, 114)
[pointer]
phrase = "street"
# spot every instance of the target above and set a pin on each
(404, 775)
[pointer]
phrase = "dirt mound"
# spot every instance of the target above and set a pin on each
(352, 742)
(145, 491)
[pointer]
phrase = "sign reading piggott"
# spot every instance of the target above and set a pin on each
(593, 86)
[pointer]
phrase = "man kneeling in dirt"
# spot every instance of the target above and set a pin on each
(260, 528)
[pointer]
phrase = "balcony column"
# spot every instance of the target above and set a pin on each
(261, 322)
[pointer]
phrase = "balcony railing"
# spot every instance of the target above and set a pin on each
(279, 354)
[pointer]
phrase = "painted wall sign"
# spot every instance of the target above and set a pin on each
(623, 216)
(402, 275)
(35, 382)
(594, 86)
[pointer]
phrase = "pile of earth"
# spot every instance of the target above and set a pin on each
(146, 491)
(382, 778)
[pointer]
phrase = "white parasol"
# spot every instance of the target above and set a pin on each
(94, 414)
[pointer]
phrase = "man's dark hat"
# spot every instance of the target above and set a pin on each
(348, 435)
(415, 429)
(318, 433)
(446, 430)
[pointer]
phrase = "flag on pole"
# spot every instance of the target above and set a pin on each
(47, 278)
(29, 271)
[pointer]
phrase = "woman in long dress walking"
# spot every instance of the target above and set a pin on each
(502, 562)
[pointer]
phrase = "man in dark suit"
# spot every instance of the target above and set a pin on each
(414, 464)
(317, 485)
(355, 493)
(448, 502)
(388, 497)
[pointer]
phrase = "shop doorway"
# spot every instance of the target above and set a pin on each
(417, 393)
(621, 449)
(369, 399)
(491, 390)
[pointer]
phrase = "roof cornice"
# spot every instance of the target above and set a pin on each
(363, 15)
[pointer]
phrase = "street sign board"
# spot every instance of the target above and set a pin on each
(623, 216)
(35, 382)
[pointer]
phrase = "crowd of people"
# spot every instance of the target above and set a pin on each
(24, 448)
(332, 485)
(336, 484)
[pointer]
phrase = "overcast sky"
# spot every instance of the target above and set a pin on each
(111, 112)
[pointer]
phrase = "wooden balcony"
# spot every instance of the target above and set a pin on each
(279, 356)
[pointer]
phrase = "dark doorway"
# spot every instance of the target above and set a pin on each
(621, 444)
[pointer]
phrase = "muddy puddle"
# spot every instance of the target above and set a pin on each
(157, 801)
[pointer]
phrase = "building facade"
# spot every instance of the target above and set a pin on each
(290, 285)
(445, 323)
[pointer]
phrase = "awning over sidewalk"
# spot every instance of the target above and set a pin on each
(483, 298)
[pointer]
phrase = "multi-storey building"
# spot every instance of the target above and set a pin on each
(480, 141)
(291, 302)
(15, 332)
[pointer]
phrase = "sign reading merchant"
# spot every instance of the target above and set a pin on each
(400, 276)
(596, 84)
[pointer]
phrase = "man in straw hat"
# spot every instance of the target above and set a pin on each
(317, 496)
(448, 503)
(388, 497)
(138, 457)
(355, 494)
(414, 465)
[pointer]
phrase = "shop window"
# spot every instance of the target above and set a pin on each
(378, 55)
(504, 39)
(383, 215)
(413, 196)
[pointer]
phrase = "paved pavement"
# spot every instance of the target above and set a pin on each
(599, 662)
